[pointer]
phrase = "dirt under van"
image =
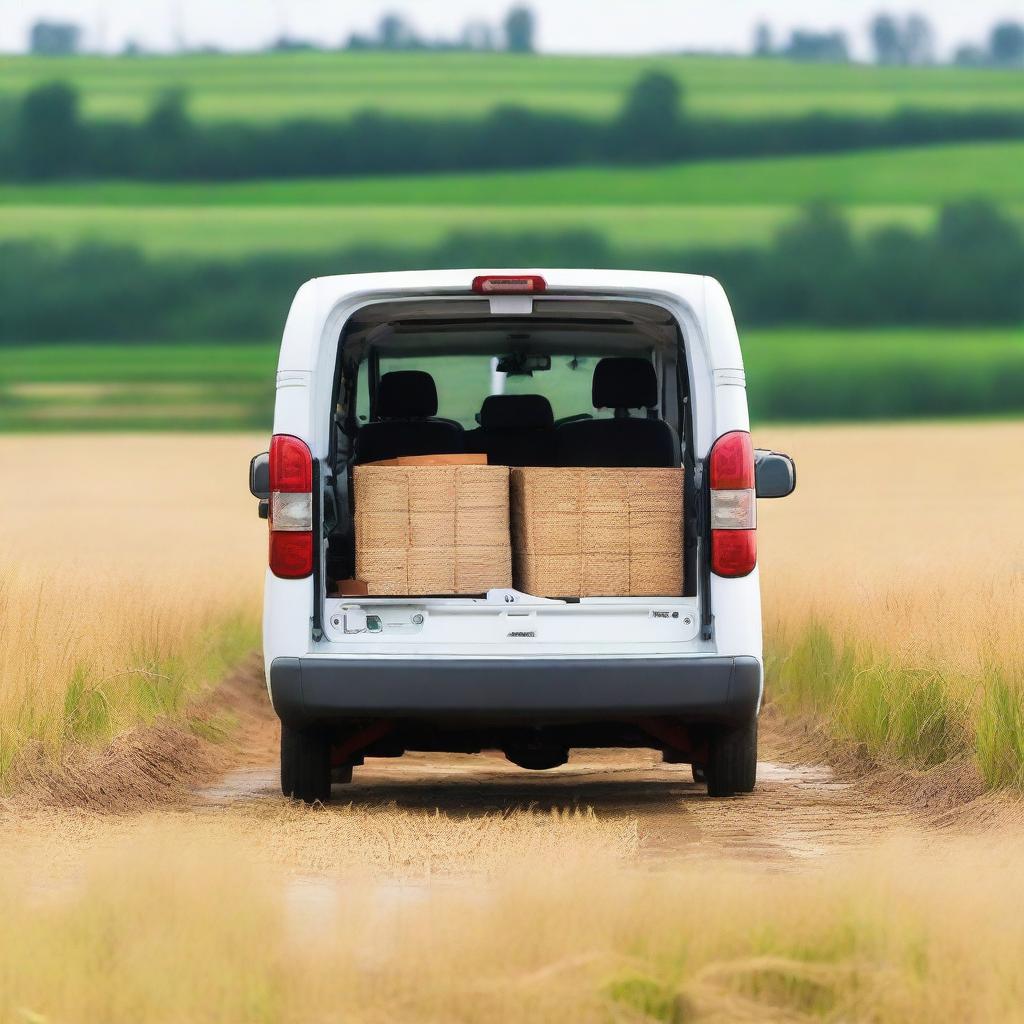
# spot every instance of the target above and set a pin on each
(513, 511)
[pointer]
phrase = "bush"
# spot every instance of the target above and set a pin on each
(968, 270)
(50, 141)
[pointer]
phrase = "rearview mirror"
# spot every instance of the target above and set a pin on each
(259, 476)
(774, 474)
(521, 365)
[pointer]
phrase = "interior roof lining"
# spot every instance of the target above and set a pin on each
(461, 326)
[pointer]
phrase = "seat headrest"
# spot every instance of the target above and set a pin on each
(516, 412)
(406, 395)
(625, 382)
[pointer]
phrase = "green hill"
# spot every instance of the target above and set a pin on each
(713, 203)
(332, 85)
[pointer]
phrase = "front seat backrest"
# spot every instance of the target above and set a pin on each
(515, 430)
(404, 423)
(620, 383)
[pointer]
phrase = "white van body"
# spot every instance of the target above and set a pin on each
(507, 656)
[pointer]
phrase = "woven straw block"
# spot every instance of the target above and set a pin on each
(552, 488)
(604, 490)
(605, 575)
(431, 530)
(476, 527)
(382, 530)
(476, 568)
(476, 487)
(549, 574)
(431, 571)
(655, 577)
(553, 533)
(385, 572)
(655, 532)
(604, 532)
(655, 490)
(431, 488)
(385, 490)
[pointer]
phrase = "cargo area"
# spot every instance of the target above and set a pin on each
(511, 471)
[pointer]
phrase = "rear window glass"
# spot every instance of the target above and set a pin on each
(463, 382)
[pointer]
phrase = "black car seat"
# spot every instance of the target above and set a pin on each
(515, 430)
(404, 423)
(622, 384)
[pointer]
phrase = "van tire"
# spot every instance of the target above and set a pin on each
(305, 765)
(732, 761)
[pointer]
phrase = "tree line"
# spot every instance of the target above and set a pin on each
(896, 42)
(967, 270)
(394, 33)
(46, 138)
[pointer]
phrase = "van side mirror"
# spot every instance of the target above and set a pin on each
(774, 474)
(259, 476)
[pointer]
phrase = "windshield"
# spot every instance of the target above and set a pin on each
(463, 382)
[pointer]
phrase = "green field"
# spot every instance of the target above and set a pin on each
(330, 85)
(792, 375)
(712, 203)
(230, 231)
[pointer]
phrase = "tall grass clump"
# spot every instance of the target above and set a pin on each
(894, 592)
(130, 589)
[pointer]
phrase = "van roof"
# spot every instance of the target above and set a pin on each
(323, 304)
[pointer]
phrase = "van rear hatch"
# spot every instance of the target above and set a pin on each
(515, 378)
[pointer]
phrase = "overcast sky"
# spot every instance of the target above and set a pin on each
(566, 26)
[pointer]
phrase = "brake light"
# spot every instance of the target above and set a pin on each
(291, 507)
(733, 505)
(527, 284)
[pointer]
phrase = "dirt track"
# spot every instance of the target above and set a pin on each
(802, 809)
(424, 814)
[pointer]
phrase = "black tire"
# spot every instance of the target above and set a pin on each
(732, 761)
(305, 765)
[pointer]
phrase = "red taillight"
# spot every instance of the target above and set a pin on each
(291, 507)
(733, 505)
(732, 462)
(291, 465)
(526, 284)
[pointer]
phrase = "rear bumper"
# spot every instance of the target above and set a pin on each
(309, 691)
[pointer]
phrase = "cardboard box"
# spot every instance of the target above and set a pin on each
(432, 529)
(581, 532)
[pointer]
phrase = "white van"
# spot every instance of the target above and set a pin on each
(621, 369)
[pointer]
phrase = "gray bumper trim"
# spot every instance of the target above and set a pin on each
(308, 691)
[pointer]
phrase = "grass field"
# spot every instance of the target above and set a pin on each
(801, 374)
(719, 203)
(132, 582)
(894, 593)
(269, 87)
(894, 590)
(175, 921)
(162, 228)
(894, 601)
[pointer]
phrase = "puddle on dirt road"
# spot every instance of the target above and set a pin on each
(243, 784)
(791, 817)
(815, 777)
(262, 782)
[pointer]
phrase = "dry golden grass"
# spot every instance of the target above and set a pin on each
(130, 573)
(894, 587)
(185, 925)
(893, 580)
(892, 583)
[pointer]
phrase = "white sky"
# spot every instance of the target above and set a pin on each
(567, 26)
